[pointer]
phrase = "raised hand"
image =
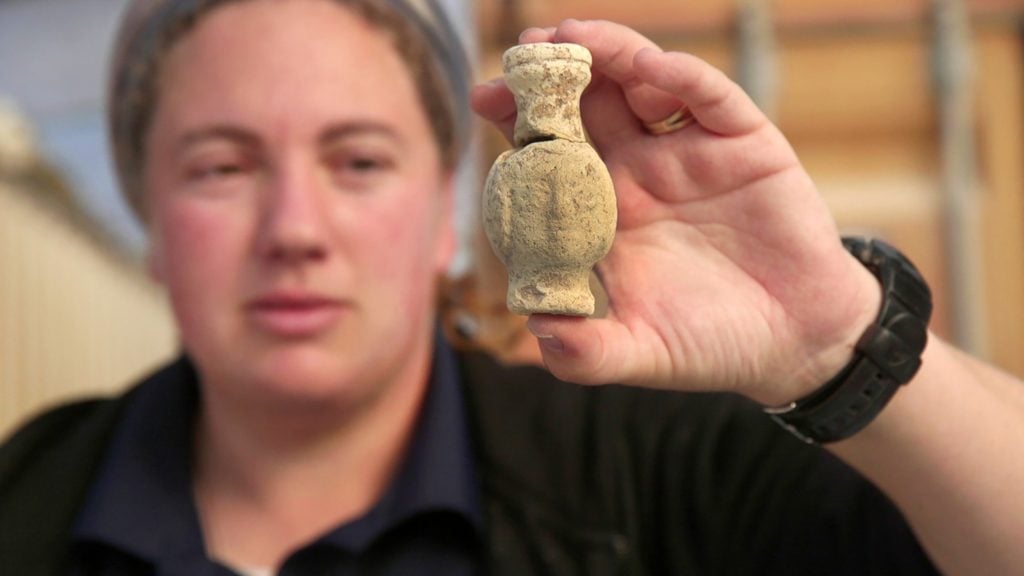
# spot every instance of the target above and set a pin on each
(727, 272)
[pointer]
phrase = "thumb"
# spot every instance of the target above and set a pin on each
(582, 350)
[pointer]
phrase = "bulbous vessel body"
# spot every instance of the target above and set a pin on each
(549, 205)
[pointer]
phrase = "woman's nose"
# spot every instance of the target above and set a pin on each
(294, 219)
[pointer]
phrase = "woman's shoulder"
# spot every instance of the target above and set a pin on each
(68, 428)
(72, 435)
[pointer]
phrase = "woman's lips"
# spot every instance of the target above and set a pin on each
(295, 315)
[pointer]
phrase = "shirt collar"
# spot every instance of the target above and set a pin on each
(141, 501)
(438, 473)
(142, 504)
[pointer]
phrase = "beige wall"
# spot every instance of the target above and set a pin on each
(74, 319)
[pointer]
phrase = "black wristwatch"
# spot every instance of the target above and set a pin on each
(888, 354)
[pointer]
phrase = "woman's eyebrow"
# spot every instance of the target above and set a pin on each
(248, 138)
(217, 132)
(342, 130)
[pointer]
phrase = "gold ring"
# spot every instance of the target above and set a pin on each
(677, 121)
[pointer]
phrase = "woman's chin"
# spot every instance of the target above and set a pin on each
(304, 376)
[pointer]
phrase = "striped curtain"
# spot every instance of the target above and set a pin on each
(75, 319)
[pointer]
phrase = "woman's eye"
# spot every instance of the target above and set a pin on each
(213, 160)
(361, 164)
(365, 164)
(359, 170)
(215, 171)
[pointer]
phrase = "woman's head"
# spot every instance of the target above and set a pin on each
(299, 205)
(419, 29)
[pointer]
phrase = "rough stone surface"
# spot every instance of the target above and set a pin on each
(549, 205)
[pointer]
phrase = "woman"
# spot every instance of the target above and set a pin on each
(297, 197)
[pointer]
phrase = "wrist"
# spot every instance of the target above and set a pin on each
(885, 356)
(821, 356)
(834, 359)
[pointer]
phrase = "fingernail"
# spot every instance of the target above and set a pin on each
(551, 343)
(533, 30)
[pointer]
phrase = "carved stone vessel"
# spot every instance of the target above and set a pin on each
(549, 205)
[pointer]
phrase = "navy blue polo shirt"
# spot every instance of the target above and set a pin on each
(140, 516)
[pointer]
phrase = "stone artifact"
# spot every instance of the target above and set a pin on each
(549, 206)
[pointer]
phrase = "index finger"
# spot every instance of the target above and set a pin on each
(613, 48)
(657, 83)
(717, 102)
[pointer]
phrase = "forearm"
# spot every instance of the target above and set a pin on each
(947, 450)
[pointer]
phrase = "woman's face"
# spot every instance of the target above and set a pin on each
(299, 209)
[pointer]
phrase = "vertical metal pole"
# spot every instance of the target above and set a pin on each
(757, 63)
(953, 75)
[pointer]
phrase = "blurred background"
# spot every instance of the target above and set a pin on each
(909, 114)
